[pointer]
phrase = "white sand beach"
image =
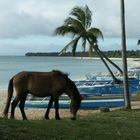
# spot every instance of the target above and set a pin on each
(133, 62)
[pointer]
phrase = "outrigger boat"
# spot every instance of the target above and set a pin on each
(106, 87)
(98, 84)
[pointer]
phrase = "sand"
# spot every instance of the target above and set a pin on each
(38, 114)
(133, 62)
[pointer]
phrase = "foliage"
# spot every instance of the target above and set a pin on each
(78, 24)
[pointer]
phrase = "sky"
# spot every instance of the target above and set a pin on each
(28, 25)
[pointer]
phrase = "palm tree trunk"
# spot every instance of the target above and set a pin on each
(125, 76)
(115, 80)
(116, 66)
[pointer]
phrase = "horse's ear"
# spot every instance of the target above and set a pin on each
(83, 96)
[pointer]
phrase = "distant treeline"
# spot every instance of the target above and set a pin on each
(114, 54)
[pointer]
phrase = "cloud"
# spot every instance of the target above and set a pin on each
(32, 17)
(20, 46)
(41, 17)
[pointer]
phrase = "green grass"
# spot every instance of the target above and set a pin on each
(115, 125)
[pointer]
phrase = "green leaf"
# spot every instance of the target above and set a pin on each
(84, 44)
(79, 14)
(72, 44)
(62, 30)
(88, 15)
(95, 32)
(90, 51)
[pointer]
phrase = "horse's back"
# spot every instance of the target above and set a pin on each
(29, 76)
(39, 82)
(47, 80)
(21, 79)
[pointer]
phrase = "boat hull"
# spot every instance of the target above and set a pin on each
(89, 103)
(106, 87)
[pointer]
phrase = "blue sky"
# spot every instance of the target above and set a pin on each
(28, 25)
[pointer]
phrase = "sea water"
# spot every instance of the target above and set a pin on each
(76, 67)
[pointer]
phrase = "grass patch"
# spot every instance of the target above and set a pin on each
(122, 124)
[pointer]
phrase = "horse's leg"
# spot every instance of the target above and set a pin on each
(57, 117)
(21, 106)
(49, 107)
(13, 106)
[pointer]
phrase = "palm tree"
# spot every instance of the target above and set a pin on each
(126, 89)
(138, 42)
(79, 26)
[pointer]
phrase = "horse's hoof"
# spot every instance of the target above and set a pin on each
(58, 118)
(25, 119)
(13, 118)
(47, 118)
(73, 118)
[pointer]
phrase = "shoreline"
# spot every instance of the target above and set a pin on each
(133, 62)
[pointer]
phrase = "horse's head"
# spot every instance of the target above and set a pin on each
(74, 106)
(71, 90)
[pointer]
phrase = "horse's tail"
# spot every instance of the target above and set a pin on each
(9, 97)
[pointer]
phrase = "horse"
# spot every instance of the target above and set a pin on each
(42, 84)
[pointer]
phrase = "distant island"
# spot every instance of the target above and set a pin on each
(113, 54)
(78, 54)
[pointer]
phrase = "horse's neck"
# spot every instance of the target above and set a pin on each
(72, 96)
(72, 92)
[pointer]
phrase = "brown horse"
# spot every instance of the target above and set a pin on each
(42, 84)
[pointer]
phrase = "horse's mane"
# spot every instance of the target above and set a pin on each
(69, 81)
(65, 75)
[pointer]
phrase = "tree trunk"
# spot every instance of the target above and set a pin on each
(116, 66)
(115, 80)
(125, 76)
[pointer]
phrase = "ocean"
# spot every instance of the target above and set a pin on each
(77, 68)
